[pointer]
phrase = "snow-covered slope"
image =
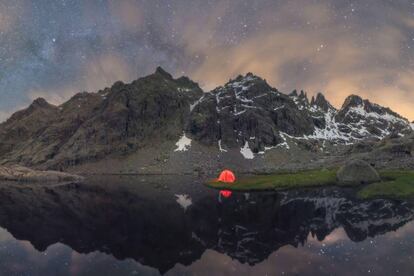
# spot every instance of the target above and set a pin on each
(249, 115)
(357, 120)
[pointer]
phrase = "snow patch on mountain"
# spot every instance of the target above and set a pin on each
(331, 131)
(184, 89)
(220, 146)
(193, 105)
(239, 112)
(284, 143)
(183, 144)
(297, 102)
(246, 151)
(362, 123)
(388, 117)
(249, 100)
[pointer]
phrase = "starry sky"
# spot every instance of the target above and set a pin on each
(56, 48)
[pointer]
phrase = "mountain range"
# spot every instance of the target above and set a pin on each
(159, 124)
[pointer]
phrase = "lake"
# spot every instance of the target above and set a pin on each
(173, 225)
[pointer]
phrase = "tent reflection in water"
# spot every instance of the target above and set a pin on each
(226, 176)
(225, 193)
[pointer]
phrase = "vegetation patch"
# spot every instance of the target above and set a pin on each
(395, 184)
(312, 178)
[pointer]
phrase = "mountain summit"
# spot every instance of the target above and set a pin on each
(142, 121)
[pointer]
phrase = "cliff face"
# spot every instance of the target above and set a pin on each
(90, 126)
(247, 110)
(246, 119)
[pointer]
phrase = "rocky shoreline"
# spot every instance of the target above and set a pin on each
(24, 174)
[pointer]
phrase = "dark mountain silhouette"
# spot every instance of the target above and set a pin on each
(147, 117)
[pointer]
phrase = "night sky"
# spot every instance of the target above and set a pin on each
(54, 49)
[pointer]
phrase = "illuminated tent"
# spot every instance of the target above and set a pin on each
(227, 176)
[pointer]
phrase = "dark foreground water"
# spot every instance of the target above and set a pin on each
(175, 226)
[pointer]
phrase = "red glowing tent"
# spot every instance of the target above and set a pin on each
(227, 176)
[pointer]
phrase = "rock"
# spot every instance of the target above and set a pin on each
(357, 113)
(321, 102)
(20, 173)
(248, 110)
(357, 172)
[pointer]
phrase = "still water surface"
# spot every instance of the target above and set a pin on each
(176, 226)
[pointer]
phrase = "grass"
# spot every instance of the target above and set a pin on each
(282, 181)
(395, 184)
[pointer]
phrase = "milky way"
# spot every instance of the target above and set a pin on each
(54, 49)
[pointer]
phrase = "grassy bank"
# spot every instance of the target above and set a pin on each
(395, 184)
(281, 181)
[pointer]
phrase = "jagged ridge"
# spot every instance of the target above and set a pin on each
(246, 113)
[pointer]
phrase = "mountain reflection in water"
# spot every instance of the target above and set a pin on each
(149, 225)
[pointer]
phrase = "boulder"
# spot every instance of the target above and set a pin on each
(357, 172)
(20, 173)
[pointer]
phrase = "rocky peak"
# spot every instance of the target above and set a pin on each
(117, 85)
(375, 108)
(244, 80)
(303, 96)
(363, 119)
(154, 85)
(161, 72)
(184, 80)
(190, 87)
(250, 114)
(301, 100)
(352, 101)
(40, 103)
(245, 88)
(321, 102)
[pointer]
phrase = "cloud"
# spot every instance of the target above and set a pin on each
(10, 14)
(98, 73)
(104, 71)
(319, 55)
(318, 46)
(129, 13)
(6, 20)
